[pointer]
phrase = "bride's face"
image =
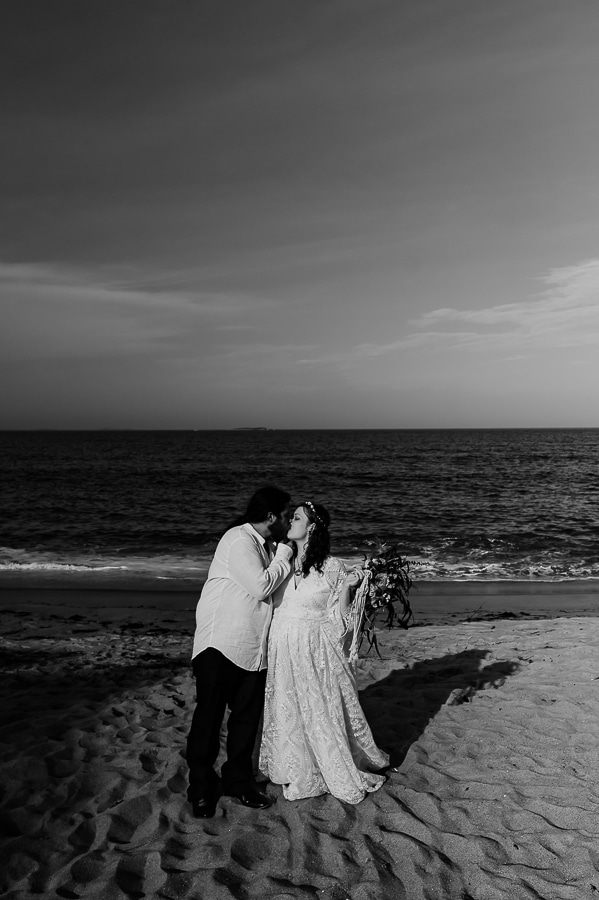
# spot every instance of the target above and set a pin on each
(300, 525)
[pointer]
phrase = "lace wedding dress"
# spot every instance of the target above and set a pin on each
(316, 739)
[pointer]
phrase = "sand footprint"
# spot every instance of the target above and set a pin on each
(133, 819)
(140, 874)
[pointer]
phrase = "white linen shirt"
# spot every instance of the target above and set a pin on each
(234, 611)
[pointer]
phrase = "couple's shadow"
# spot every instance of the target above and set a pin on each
(400, 706)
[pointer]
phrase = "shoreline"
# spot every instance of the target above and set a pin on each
(433, 603)
(449, 602)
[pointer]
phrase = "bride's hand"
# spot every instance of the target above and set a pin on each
(354, 578)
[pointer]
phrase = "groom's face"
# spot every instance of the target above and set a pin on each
(280, 526)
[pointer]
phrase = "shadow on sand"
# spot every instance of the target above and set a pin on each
(400, 706)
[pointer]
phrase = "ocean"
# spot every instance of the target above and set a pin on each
(133, 508)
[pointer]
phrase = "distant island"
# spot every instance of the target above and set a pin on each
(256, 428)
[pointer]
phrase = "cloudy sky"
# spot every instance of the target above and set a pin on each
(299, 213)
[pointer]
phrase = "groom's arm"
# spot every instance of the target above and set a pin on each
(246, 567)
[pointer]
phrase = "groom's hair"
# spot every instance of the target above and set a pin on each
(268, 499)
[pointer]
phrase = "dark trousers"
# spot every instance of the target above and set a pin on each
(220, 683)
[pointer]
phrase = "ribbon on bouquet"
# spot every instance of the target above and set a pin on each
(358, 611)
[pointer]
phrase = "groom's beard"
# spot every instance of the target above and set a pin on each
(278, 532)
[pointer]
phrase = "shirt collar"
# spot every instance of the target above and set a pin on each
(250, 528)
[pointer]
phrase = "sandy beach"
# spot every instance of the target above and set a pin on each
(489, 707)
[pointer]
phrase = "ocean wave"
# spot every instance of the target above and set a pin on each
(55, 567)
(441, 571)
(482, 566)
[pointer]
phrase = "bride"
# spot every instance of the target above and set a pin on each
(316, 739)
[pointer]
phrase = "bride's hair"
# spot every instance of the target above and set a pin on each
(319, 542)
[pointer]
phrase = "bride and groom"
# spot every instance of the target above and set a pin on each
(275, 594)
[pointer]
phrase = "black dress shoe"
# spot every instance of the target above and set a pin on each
(204, 808)
(251, 797)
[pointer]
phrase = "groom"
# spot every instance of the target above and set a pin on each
(229, 651)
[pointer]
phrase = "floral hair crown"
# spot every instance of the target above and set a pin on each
(314, 513)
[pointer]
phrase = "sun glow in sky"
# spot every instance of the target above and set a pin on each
(297, 213)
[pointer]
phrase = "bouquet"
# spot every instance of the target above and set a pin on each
(385, 587)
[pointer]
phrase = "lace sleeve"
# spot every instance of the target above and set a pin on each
(335, 572)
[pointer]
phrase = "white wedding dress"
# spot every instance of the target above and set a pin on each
(316, 739)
